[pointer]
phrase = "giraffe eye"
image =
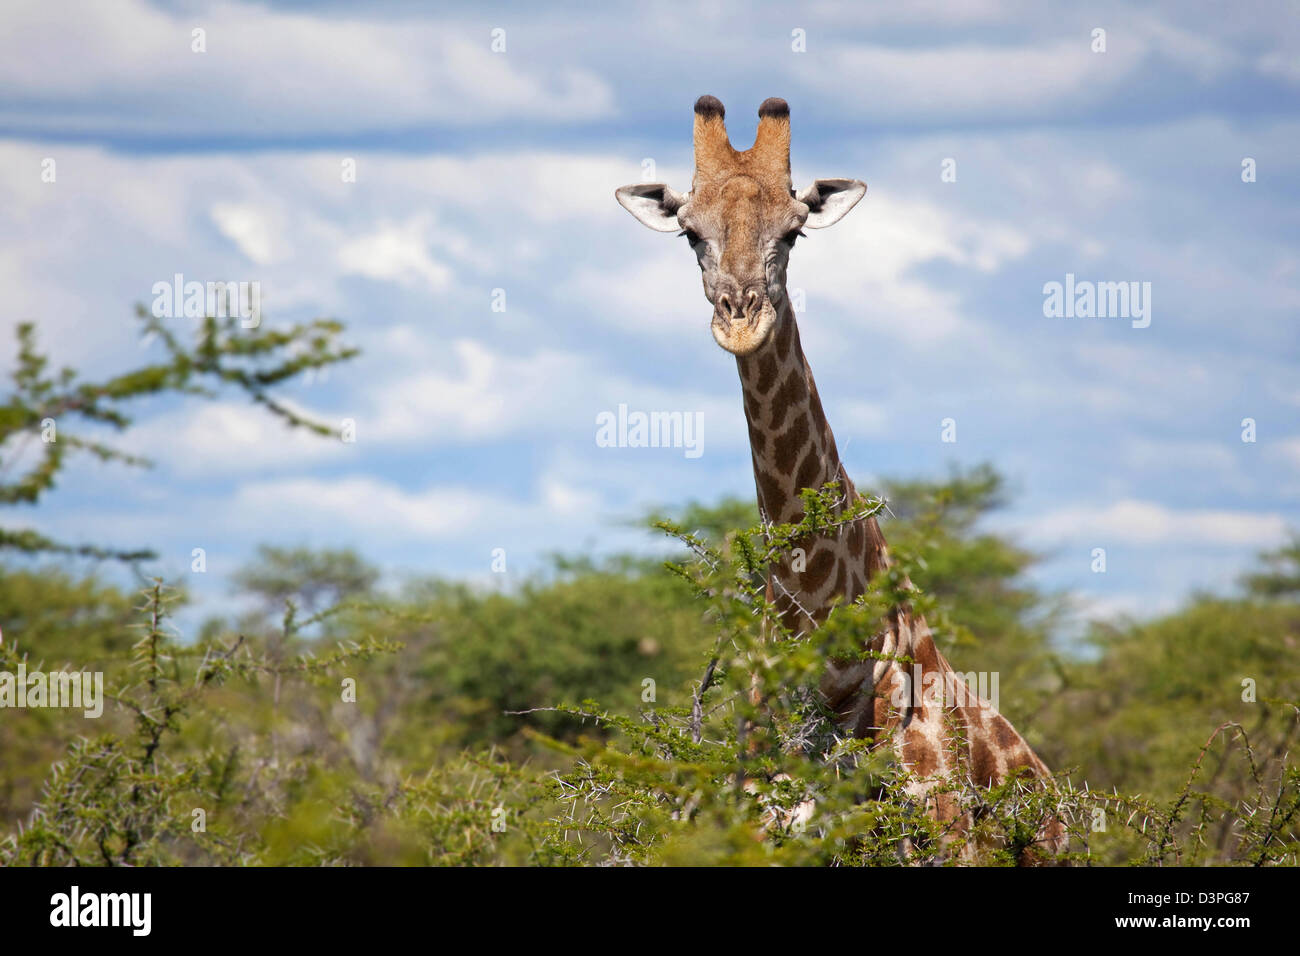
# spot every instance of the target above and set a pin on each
(692, 237)
(791, 236)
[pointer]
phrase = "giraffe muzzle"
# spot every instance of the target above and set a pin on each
(742, 318)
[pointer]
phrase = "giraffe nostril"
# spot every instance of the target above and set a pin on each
(751, 303)
(724, 304)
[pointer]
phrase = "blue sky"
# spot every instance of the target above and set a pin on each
(480, 170)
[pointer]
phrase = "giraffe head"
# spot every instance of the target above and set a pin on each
(741, 219)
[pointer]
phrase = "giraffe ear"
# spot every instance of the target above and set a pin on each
(829, 200)
(654, 204)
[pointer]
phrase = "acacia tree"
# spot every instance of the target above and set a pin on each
(114, 797)
(41, 418)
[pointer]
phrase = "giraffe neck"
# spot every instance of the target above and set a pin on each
(793, 448)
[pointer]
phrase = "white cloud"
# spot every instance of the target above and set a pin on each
(128, 60)
(1288, 450)
(1043, 66)
(223, 438)
(1138, 522)
(922, 12)
(119, 223)
(656, 294)
(1130, 366)
(858, 419)
(378, 511)
(360, 503)
(1281, 65)
(960, 79)
(396, 252)
(547, 186)
(564, 498)
(1148, 455)
(864, 265)
(1202, 52)
(249, 228)
(484, 394)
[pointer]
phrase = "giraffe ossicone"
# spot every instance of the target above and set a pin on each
(741, 217)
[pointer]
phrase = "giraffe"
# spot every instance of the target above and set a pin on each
(742, 218)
